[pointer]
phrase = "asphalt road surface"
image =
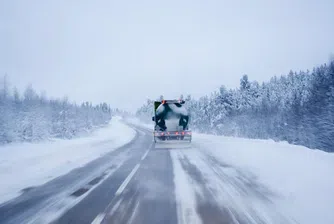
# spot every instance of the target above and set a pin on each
(139, 183)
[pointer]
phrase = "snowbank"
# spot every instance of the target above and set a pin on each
(301, 176)
(25, 165)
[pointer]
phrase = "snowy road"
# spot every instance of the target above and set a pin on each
(142, 184)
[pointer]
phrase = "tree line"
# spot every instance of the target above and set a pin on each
(297, 107)
(34, 117)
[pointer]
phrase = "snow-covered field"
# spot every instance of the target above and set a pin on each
(300, 179)
(26, 165)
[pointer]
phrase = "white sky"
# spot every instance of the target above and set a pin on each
(124, 52)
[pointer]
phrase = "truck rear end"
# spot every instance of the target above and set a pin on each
(171, 122)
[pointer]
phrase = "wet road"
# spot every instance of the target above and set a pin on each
(139, 183)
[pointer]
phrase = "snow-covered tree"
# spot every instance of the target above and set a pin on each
(33, 117)
(297, 108)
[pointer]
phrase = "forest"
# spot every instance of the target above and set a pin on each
(297, 108)
(31, 117)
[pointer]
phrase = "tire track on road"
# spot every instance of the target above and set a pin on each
(246, 200)
(207, 205)
(148, 196)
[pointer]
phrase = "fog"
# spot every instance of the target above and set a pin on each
(124, 52)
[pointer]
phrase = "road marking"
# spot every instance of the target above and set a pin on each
(127, 180)
(144, 156)
(98, 218)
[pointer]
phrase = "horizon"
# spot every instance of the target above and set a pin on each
(12, 86)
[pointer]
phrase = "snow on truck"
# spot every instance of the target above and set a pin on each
(171, 120)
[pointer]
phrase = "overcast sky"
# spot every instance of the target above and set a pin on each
(124, 52)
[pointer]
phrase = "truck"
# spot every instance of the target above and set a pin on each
(171, 122)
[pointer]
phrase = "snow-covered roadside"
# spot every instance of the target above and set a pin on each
(301, 176)
(137, 122)
(25, 165)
